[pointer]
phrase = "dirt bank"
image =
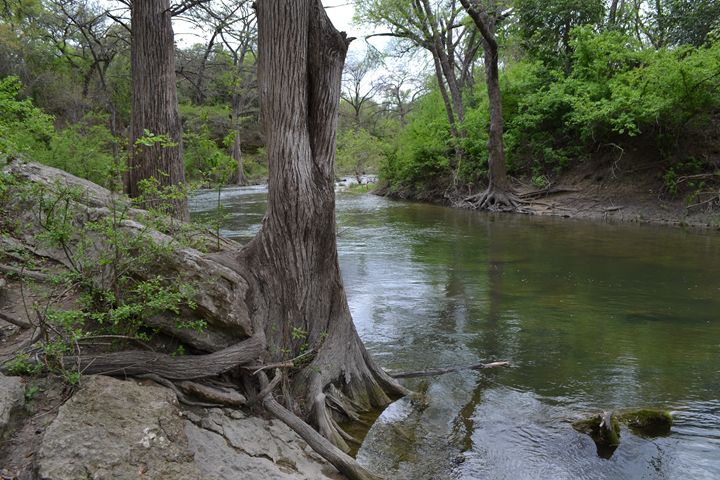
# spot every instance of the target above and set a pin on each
(613, 189)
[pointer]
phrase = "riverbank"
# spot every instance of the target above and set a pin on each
(619, 190)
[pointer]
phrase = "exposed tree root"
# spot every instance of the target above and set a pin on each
(182, 398)
(340, 460)
(187, 367)
(15, 321)
(219, 395)
(545, 192)
(497, 200)
(21, 272)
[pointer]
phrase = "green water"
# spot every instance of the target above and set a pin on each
(592, 316)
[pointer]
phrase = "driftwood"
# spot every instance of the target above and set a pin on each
(185, 367)
(443, 371)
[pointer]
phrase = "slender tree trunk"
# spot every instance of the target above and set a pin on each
(298, 299)
(496, 154)
(155, 106)
(236, 149)
(612, 16)
(200, 87)
(499, 194)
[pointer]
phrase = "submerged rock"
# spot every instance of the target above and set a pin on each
(124, 430)
(12, 399)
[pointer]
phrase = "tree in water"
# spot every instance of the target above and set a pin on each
(299, 299)
(156, 131)
(499, 194)
(277, 304)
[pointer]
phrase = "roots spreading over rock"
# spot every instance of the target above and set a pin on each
(330, 379)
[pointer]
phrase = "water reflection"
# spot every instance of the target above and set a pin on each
(592, 316)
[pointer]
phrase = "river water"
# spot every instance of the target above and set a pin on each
(592, 316)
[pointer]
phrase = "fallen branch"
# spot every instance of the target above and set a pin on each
(9, 269)
(186, 367)
(546, 192)
(222, 396)
(340, 460)
(286, 364)
(15, 321)
(443, 371)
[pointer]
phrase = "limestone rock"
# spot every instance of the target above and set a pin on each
(253, 448)
(120, 430)
(12, 399)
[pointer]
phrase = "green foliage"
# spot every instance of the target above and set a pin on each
(616, 90)
(30, 392)
(359, 152)
(23, 365)
(84, 149)
(421, 151)
(118, 280)
(206, 156)
(545, 27)
(24, 128)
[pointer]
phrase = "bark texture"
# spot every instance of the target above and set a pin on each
(155, 105)
(299, 300)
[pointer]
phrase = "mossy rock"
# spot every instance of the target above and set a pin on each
(647, 422)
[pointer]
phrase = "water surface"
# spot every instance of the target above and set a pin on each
(592, 316)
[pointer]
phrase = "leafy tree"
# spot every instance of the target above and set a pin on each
(359, 152)
(545, 27)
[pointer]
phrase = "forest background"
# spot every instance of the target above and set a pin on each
(582, 81)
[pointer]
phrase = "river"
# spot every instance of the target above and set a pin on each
(592, 316)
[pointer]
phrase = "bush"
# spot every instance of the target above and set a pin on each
(83, 149)
(24, 128)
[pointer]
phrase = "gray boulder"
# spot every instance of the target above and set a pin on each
(12, 399)
(231, 446)
(116, 429)
(113, 429)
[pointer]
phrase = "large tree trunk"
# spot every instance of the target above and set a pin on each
(155, 106)
(298, 296)
(280, 297)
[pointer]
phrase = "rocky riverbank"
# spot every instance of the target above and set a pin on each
(124, 429)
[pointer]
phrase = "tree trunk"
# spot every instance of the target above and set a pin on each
(238, 177)
(612, 16)
(496, 154)
(155, 106)
(298, 295)
(499, 194)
